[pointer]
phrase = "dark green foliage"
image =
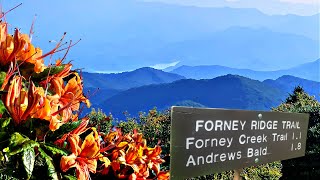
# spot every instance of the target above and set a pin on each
(307, 167)
(228, 175)
(155, 127)
(51, 170)
(129, 125)
(67, 127)
(100, 120)
(25, 155)
(270, 171)
(2, 77)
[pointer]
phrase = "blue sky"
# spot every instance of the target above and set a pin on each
(299, 7)
(106, 27)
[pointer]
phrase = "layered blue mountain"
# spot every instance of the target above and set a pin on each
(126, 80)
(288, 83)
(102, 86)
(134, 34)
(230, 91)
(310, 71)
(238, 47)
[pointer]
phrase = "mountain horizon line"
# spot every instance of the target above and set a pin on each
(178, 65)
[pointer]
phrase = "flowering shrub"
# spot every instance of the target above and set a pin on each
(40, 128)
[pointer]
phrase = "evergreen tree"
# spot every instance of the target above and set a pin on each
(307, 167)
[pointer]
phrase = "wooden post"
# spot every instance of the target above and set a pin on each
(236, 174)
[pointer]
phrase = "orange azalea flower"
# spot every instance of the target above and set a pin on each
(10, 47)
(3, 32)
(76, 132)
(84, 155)
(67, 97)
(56, 80)
(73, 93)
(163, 175)
(31, 55)
(20, 102)
(129, 153)
(66, 100)
(153, 158)
(19, 48)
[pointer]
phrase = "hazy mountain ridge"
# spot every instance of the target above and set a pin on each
(127, 80)
(241, 47)
(101, 86)
(308, 71)
(230, 91)
(287, 83)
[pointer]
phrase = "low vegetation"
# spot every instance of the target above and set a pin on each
(307, 167)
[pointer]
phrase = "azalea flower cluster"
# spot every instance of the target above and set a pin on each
(40, 121)
(114, 155)
(54, 99)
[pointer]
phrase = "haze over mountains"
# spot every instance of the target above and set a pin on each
(126, 35)
(127, 80)
(103, 86)
(145, 88)
(238, 47)
(229, 91)
(309, 71)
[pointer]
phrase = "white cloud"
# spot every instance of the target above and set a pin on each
(105, 71)
(164, 66)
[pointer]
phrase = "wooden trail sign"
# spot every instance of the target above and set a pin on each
(206, 141)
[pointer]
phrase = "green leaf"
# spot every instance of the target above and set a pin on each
(68, 127)
(28, 159)
(17, 139)
(4, 122)
(50, 70)
(69, 177)
(55, 149)
(51, 169)
(26, 145)
(2, 107)
(2, 77)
